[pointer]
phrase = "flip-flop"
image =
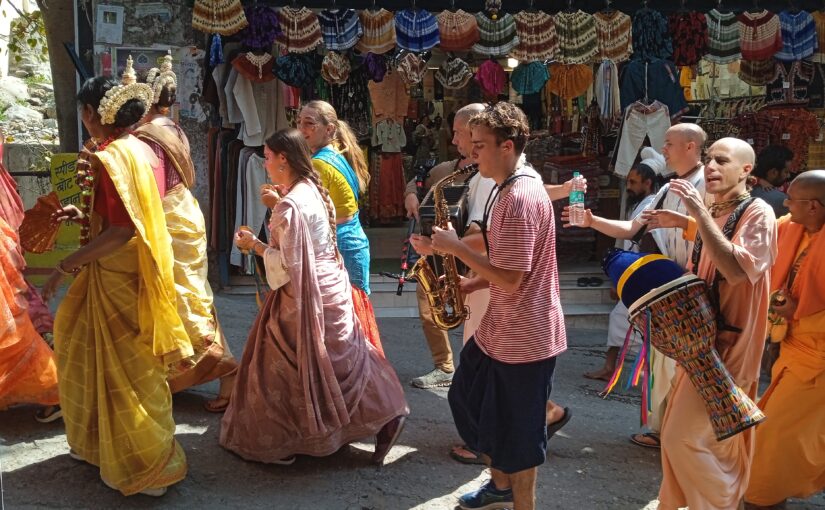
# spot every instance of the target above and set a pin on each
(583, 282)
(558, 424)
(649, 435)
(595, 282)
(212, 408)
(476, 459)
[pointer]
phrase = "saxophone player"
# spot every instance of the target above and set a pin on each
(502, 385)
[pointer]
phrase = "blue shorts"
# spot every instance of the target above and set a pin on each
(500, 409)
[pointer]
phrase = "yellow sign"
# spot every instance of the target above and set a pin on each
(63, 171)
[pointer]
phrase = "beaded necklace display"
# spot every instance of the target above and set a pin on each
(258, 61)
(86, 182)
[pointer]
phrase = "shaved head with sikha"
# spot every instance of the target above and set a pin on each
(811, 184)
(739, 149)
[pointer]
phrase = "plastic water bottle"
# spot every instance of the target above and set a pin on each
(577, 200)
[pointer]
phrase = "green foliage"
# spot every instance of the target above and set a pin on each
(28, 33)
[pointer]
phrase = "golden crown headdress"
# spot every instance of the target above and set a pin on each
(160, 78)
(119, 95)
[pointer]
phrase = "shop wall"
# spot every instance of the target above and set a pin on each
(148, 30)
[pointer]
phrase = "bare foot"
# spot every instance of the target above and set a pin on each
(602, 374)
(220, 404)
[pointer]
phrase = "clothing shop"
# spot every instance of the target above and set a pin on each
(598, 81)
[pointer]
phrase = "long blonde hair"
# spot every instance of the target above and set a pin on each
(344, 140)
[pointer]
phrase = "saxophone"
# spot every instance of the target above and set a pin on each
(443, 293)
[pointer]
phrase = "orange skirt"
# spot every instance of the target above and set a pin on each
(366, 316)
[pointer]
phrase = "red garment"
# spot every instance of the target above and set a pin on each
(109, 204)
(391, 187)
(366, 316)
(689, 31)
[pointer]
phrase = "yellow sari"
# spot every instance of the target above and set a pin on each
(115, 332)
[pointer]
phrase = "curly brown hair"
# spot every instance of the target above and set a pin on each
(507, 121)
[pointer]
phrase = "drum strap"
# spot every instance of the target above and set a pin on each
(727, 230)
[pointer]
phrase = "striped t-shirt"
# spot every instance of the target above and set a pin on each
(527, 325)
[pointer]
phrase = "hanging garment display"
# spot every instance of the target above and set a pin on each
(569, 80)
(497, 37)
(263, 27)
(376, 66)
(799, 39)
(412, 68)
(689, 33)
(723, 37)
(390, 99)
(254, 67)
(335, 68)
(578, 42)
(340, 28)
(651, 36)
(819, 23)
(537, 37)
(301, 31)
(224, 17)
(529, 77)
(789, 84)
(606, 91)
(454, 73)
(491, 78)
(416, 30)
(457, 30)
(757, 73)
(379, 31)
(654, 80)
(640, 121)
(760, 35)
(614, 31)
(297, 70)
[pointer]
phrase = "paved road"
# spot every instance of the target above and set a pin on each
(591, 465)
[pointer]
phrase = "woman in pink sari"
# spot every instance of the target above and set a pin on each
(308, 382)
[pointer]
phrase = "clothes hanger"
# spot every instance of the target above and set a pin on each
(720, 8)
(792, 8)
(452, 5)
(682, 6)
(755, 9)
(607, 9)
(531, 6)
(570, 7)
(374, 8)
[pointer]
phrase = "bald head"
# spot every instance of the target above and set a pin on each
(690, 133)
(466, 113)
(813, 182)
(738, 149)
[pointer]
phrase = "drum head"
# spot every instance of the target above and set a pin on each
(658, 292)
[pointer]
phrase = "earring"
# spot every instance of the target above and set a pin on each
(282, 168)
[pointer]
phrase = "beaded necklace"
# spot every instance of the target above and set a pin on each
(86, 182)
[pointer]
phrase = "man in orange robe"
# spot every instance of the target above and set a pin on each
(790, 445)
(28, 373)
(697, 470)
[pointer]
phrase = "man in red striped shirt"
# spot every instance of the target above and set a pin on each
(504, 378)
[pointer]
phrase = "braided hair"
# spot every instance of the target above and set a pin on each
(292, 144)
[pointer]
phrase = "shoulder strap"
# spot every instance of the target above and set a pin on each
(339, 163)
(642, 231)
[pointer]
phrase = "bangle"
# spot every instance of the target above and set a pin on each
(259, 242)
(60, 269)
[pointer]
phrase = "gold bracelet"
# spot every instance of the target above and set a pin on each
(63, 271)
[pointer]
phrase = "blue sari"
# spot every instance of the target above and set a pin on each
(352, 240)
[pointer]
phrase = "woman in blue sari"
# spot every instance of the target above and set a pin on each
(344, 172)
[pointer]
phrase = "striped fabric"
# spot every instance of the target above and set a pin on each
(799, 39)
(496, 37)
(340, 28)
(578, 42)
(615, 35)
(819, 21)
(458, 30)
(760, 35)
(723, 37)
(526, 325)
(537, 37)
(379, 32)
(416, 30)
(301, 30)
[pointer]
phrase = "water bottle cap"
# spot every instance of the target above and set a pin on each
(576, 174)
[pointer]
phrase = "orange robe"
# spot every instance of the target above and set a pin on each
(697, 470)
(28, 373)
(790, 445)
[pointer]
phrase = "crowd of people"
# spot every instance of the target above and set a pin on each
(138, 321)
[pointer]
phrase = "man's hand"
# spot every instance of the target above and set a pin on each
(586, 223)
(689, 195)
(422, 245)
(661, 218)
(470, 285)
(446, 241)
(411, 205)
(67, 213)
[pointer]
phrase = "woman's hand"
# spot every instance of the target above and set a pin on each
(271, 195)
(51, 285)
(245, 240)
(67, 213)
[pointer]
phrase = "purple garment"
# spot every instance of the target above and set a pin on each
(376, 67)
(309, 381)
(263, 27)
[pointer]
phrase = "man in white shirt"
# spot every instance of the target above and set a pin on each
(674, 232)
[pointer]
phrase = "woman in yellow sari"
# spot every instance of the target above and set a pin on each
(184, 219)
(118, 327)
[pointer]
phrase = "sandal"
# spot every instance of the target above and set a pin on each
(48, 414)
(583, 282)
(637, 439)
(217, 405)
(556, 426)
(595, 281)
(474, 457)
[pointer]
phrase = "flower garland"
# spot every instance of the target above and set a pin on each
(86, 182)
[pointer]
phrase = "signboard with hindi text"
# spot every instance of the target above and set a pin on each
(63, 171)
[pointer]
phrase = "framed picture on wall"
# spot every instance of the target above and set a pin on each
(143, 59)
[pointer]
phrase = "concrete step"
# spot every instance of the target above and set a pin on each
(587, 316)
